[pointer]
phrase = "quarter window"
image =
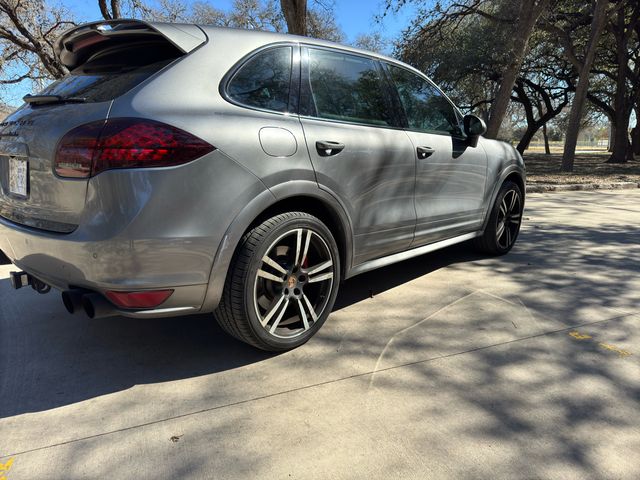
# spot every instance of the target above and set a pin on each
(264, 80)
(426, 108)
(347, 88)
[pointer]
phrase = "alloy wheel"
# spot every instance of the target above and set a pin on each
(508, 219)
(293, 283)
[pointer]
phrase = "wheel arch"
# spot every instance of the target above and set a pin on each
(294, 196)
(512, 173)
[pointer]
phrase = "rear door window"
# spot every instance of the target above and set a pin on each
(264, 80)
(110, 74)
(347, 88)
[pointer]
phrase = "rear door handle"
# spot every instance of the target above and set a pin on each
(327, 148)
(424, 152)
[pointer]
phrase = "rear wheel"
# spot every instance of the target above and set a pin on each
(504, 222)
(282, 283)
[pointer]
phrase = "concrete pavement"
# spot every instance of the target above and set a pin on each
(525, 366)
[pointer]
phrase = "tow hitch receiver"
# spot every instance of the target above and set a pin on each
(23, 279)
(20, 279)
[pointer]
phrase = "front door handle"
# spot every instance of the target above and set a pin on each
(327, 149)
(424, 152)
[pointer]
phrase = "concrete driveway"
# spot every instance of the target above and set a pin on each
(446, 366)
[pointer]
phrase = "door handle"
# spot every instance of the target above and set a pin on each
(327, 149)
(424, 152)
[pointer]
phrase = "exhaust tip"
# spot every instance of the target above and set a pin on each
(88, 307)
(72, 300)
(95, 306)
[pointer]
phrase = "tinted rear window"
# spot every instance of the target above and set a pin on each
(108, 75)
(264, 81)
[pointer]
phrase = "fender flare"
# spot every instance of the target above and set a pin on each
(513, 168)
(259, 204)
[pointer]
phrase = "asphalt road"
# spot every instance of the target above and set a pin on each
(446, 366)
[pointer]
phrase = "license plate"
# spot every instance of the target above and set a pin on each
(18, 176)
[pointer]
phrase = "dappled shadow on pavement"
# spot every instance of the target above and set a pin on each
(51, 359)
(492, 383)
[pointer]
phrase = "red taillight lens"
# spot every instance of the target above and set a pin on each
(125, 143)
(146, 299)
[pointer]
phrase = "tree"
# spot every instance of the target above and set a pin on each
(577, 107)
(624, 27)
(374, 42)
(528, 13)
(295, 13)
(28, 29)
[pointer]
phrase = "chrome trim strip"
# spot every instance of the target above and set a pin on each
(398, 257)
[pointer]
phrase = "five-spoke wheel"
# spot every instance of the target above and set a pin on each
(282, 283)
(292, 286)
(504, 222)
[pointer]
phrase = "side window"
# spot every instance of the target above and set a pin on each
(264, 80)
(426, 109)
(348, 88)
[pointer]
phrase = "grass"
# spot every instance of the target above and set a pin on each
(589, 167)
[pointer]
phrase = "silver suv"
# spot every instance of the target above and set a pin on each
(183, 169)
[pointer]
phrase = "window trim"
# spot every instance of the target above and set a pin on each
(294, 79)
(305, 88)
(396, 96)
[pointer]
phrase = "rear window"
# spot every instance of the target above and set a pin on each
(112, 73)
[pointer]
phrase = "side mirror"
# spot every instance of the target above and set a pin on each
(474, 127)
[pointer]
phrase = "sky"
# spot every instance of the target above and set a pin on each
(353, 16)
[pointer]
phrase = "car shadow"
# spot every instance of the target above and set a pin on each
(49, 359)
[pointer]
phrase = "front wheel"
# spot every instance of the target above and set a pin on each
(504, 222)
(282, 283)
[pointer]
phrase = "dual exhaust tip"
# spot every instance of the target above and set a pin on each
(93, 304)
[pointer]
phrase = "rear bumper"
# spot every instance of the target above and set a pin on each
(65, 262)
(146, 229)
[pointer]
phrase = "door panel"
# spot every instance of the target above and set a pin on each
(356, 149)
(375, 176)
(450, 185)
(450, 175)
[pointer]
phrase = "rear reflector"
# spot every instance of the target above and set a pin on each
(145, 299)
(95, 147)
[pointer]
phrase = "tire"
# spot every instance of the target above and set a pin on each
(279, 303)
(504, 222)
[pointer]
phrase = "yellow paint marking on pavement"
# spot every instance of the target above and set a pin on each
(579, 336)
(4, 468)
(607, 346)
(621, 353)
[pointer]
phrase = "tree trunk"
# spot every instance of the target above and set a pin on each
(528, 13)
(295, 13)
(571, 138)
(524, 142)
(612, 136)
(635, 132)
(635, 139)
(621, 145)
(547, 150)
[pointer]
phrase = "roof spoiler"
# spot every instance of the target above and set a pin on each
(77, 44)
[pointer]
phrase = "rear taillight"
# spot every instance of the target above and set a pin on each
(95, 147)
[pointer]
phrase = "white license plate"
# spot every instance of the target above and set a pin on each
(18, 176)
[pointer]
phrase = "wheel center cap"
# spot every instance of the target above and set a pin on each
(292, 281)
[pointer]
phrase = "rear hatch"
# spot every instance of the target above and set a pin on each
(106, 60)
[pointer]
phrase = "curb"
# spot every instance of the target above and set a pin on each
(550, 187)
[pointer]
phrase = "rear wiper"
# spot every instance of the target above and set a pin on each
(50, 99)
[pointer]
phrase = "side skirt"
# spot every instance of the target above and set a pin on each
(415, 252)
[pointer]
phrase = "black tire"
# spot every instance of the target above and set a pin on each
(297, 246)
(504, 222)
